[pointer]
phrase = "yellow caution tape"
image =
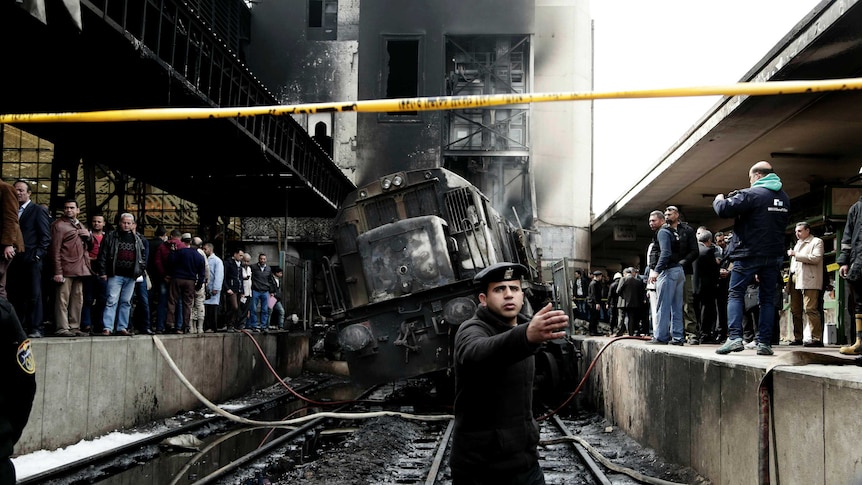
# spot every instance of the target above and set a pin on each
(437, 103)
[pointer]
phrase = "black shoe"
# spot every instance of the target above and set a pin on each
(36, 334)
(221, 329)
(796, 342)
(148, 332)
(677, 342)
(813, 343)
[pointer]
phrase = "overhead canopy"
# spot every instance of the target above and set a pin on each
(262, 166)
(812, 140)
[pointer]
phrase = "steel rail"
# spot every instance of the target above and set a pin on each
(274, 444)
(438, 457)
(583, 454)
(69, 468)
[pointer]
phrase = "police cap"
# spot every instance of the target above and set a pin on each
(597, 273)
(500, 272)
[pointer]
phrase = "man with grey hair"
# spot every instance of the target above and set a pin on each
(806, 281)
(122, 259)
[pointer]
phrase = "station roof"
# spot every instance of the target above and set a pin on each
(812, 140)
(214, 163)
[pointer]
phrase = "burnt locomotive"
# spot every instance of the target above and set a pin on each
(408, 246)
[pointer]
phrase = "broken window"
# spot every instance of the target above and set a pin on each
(401, 59)
(322, 19)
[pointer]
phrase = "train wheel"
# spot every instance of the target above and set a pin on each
(548, 379)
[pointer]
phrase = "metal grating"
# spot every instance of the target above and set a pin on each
(200, 41)
(421, 202)
(461, 209)
(379, 212)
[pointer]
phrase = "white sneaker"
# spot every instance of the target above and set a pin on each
(751, 345)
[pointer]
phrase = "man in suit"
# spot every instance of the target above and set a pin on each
(25, 272)
(232, 289)
(11, 240)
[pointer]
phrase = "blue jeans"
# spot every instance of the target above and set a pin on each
(119, 290)
(162, 307)
(259, 302)
(278, 314)
(669, 289)
(767, 270)
(143, 305)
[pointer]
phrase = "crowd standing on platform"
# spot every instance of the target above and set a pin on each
(737, 282)
(67, 278)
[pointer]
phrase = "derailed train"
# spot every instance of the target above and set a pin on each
(408, 246)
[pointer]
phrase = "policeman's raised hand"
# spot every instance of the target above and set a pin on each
(547, 324)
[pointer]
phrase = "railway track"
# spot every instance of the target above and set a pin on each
(390, 444)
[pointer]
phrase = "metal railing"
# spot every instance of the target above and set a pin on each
(200, 43)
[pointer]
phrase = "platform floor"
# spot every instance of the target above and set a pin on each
(702, 409)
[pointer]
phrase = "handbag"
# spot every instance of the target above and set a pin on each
(751, 298)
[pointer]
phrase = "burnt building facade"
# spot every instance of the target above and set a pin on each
(533, 161)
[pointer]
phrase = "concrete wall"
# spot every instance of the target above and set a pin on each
(386, 146)
(699, 409)
(299, 69)
(561, 133)
(87, 387)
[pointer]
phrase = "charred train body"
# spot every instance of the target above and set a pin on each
(408, 247)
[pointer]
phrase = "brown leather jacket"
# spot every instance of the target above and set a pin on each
(10, 231)
(68, 252)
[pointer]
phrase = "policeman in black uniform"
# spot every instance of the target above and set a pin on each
(495, 434)
(17, 387)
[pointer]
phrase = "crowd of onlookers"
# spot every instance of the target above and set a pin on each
(66, 277)
(626, 302)
(726, 288)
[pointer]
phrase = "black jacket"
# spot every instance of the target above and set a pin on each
(495, 432)
(632, 291)
(705, 278)
(851, 242)
(106, 262)
(35, 223)
(761, 217)
(232, 276)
